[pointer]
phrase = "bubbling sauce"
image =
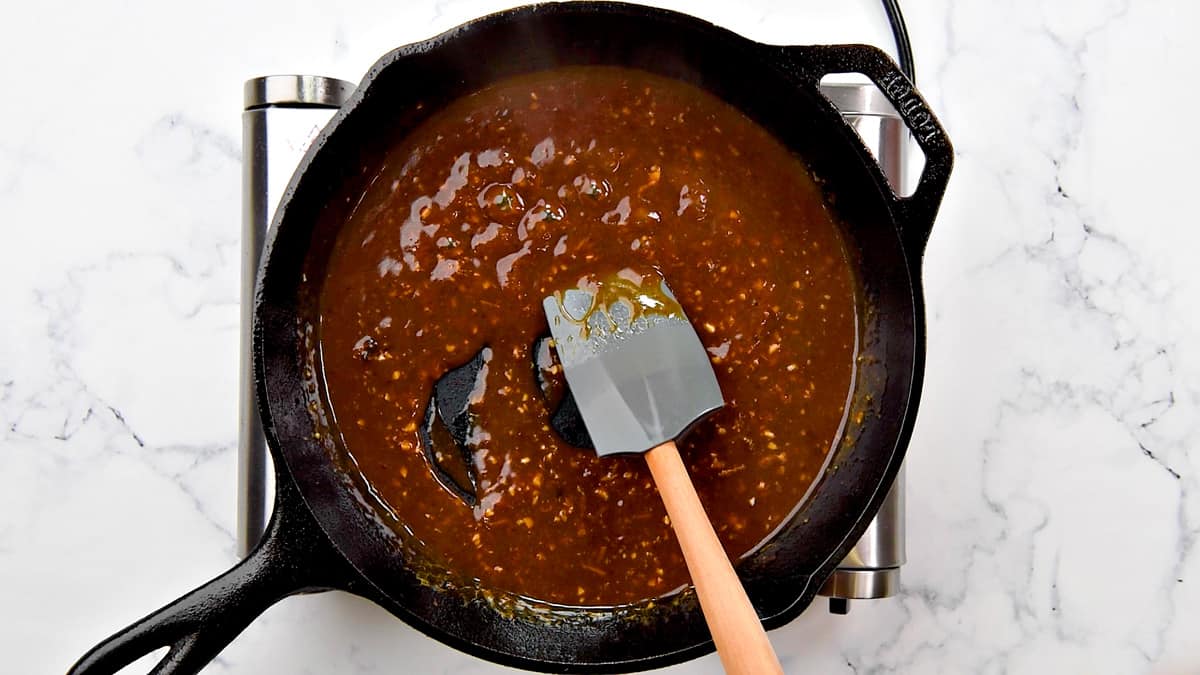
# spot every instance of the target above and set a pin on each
(449, 400)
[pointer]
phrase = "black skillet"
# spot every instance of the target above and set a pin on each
(320, 536)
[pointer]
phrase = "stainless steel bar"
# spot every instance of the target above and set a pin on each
(872, 568)
(281, 115)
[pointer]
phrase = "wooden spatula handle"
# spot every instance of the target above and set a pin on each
(741, 641)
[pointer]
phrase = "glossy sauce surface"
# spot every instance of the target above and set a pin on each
(527, 187)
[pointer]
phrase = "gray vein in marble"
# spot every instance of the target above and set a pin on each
(1071, 230)
(200, 135)
(14, 160)
(77, 404)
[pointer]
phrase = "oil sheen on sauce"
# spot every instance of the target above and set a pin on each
(530, 186)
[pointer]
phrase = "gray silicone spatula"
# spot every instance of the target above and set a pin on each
(641, 378)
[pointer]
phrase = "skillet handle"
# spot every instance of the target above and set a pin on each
(294, 556)
(917, 211)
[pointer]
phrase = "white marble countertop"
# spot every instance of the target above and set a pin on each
(1054, 510)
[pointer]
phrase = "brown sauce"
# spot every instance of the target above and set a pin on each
(524, 188)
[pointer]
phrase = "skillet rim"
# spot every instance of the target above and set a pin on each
(272, 322)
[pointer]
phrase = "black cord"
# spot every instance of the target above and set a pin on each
(900, 31)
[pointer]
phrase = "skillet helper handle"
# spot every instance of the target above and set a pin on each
(196, 627)
(736, 629)
(916, 212)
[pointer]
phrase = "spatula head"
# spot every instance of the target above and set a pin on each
(633, 361)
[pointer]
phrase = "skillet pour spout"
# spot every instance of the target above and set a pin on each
(321, 537)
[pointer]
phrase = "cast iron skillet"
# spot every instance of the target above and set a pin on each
(321, 536)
